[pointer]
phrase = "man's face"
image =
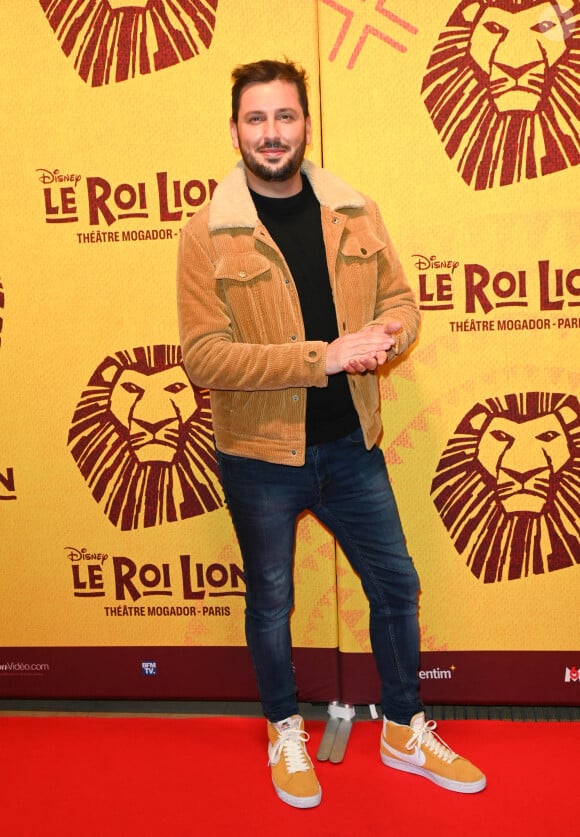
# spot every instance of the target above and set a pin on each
(271, 134)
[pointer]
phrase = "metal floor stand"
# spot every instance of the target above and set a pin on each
(337, 731)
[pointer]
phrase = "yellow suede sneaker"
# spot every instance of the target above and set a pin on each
(293, 775)
(416, 749)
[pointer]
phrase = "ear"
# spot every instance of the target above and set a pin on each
(234, 133)
(567, 415)
(478, 419)
(470, 12)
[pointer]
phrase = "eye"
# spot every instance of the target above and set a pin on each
(500, 436)
(133, 388)
(548, 436)
(543, 26)
(178, 386)
(495, 28)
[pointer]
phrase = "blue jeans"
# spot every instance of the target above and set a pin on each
(347, 488)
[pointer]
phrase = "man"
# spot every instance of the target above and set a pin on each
(290, 297)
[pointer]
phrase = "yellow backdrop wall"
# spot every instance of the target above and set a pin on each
(117, 551)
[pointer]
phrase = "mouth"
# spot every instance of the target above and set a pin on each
(272, 152)
(504, 86)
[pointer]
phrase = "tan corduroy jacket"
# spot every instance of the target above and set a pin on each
(241, 328)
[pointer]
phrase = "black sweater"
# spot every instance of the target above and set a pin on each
(295, 225)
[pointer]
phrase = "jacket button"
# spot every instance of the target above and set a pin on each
(363, 251)
(295, 398)
(293, 452)
(292, 337)
(242, 274)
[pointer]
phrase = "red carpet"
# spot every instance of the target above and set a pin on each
(118, 777)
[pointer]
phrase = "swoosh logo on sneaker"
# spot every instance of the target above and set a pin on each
(416, 758)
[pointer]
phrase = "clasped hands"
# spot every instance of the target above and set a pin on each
(361, 351)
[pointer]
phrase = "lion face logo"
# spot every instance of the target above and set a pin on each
(142, 438)
(524, 457)
(113, 40)
(507, 486)
(152, 409)
(515, 52)
(502, 88)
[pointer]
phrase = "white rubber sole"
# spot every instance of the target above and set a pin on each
(448, 784)
(299, 801)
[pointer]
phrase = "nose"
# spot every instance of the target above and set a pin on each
(270, 128)
(153, 427)
(517, 72)
(523, 476)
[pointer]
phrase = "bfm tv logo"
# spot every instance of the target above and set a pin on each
(572, 675)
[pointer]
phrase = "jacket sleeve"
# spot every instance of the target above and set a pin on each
(395, 299)
(212, 357)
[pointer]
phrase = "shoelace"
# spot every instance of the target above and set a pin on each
(425, 735)
(291, 743)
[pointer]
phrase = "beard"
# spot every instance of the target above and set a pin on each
(271, 172)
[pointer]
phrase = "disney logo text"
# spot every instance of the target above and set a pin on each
(56, 176)
(432, 263)
(84, 555)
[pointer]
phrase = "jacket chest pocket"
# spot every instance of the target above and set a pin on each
(255, 298)
(358, 271)
(242, 268)
(361, 246)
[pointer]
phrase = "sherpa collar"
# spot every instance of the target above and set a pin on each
(232, 206)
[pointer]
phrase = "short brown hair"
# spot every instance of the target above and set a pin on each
(262, 72)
